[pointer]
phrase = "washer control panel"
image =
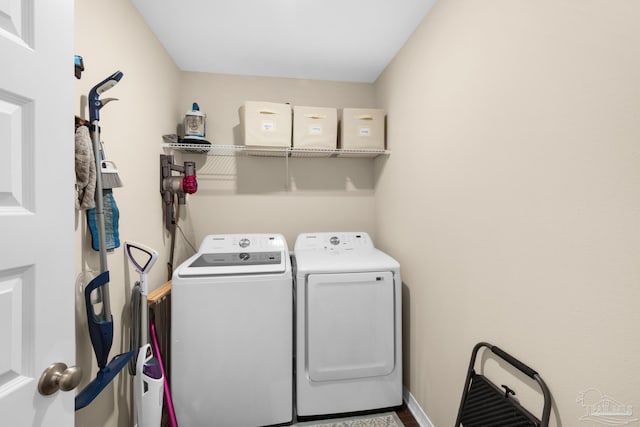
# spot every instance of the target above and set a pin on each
(228, 254)
(226, 259)
(243, 243)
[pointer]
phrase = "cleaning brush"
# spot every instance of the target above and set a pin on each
(110, 178)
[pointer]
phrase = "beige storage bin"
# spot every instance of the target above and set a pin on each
(362, 129)
(315, 128)
(266, 124)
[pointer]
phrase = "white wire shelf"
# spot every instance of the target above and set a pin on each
(232, 150)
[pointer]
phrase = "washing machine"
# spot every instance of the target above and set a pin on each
(232, 333)
(348, 325)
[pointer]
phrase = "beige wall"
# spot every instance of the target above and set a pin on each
(256, 194)
(236, 194)
(111, 36)
(511, 196)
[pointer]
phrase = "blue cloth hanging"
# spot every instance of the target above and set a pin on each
(111, 220)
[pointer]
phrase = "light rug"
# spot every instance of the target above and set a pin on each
(387, 419)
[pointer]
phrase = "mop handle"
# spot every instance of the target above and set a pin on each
(167, 391)
(95, 104)
(142, 268)
(103, 292)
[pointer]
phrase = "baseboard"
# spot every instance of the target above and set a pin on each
(415, 409)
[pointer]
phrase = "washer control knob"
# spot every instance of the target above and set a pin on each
(334, 240)
(244, 242)
(244, 256)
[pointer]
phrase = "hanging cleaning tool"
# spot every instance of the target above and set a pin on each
(96, 293)
(175, 185)
(110, 180)
(148, 383)
(108, 175)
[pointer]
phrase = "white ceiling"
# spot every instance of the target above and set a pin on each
(342, 40)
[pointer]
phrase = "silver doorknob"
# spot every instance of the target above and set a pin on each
(59, 377)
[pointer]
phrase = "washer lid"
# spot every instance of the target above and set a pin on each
(237, 263)
(238, 254)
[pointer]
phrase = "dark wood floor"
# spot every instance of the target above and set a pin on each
(406, 417)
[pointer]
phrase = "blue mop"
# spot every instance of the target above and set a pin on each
(99, 317)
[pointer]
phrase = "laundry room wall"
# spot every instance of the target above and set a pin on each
(236, 193)
(511, 199)
(111, 36)
(241, 194)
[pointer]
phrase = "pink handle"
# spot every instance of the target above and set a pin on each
(167, 391)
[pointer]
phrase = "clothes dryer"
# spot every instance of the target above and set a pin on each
(231, 337)
(348, 325)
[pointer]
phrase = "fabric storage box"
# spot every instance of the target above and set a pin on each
(362, 129)
(315, 128)
(266, 124)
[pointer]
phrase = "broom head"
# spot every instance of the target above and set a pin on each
(110, 178)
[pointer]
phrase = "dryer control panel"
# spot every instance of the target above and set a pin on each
(333, 241)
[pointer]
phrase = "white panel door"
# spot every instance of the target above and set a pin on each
(350, 325)
(36, 208)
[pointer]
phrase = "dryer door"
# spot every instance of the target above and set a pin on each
(350, 325)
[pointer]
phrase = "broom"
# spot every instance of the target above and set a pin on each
(108, 169)
(110, 177)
